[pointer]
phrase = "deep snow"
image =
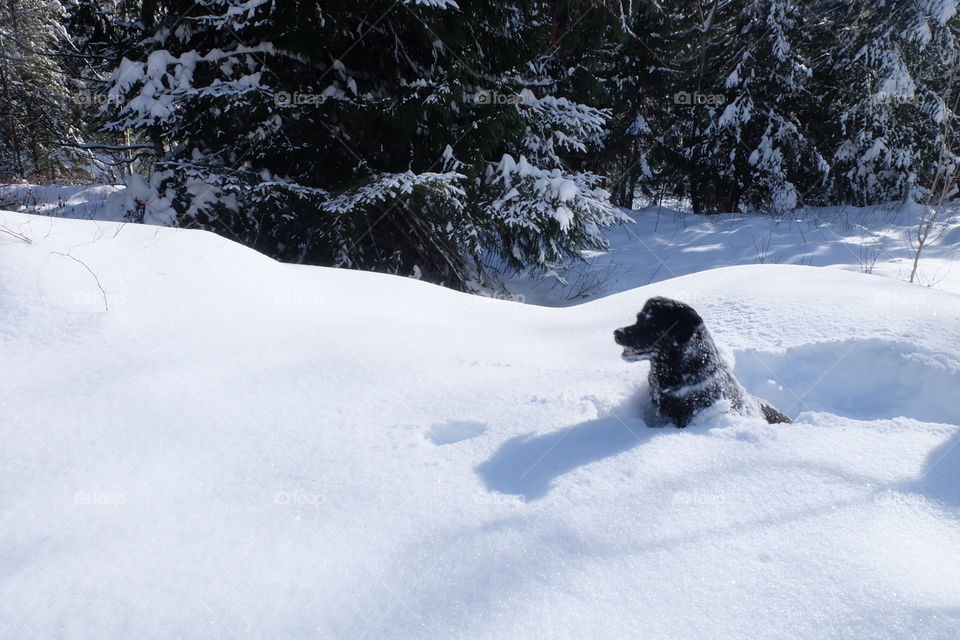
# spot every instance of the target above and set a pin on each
(219, 445)
(662, 243)
(82, 201)
(666, 243)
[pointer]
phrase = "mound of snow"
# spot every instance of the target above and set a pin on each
(916, 382)
(664, 244)
(86, 202)
(200, 442)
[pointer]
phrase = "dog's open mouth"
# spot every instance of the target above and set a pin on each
(631, 355)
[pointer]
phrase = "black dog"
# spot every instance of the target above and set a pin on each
(686, 371)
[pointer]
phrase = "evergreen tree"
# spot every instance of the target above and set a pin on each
(884, 85)
(98, 33)
(758, 146)
(668, 79)
(411, 137)
(781, 103)
(626, 56)
(37, 111)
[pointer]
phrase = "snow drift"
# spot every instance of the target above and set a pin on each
(200, 442)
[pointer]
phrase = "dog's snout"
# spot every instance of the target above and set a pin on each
(618, 334)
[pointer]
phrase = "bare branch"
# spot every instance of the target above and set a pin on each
(16, 235)
(106, 307)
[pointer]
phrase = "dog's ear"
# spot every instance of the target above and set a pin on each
(687, 323)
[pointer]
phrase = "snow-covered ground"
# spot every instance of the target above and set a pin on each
(83, 201)
(663, 243)
(666, 243)
(199, 442)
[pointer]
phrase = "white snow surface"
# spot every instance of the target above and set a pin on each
(662, 243)
(665, 243)
(200, 442)
(86, 201)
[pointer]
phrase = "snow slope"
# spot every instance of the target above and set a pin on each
(83, 201)
(200, 442)
(666, 243)
(662, 243)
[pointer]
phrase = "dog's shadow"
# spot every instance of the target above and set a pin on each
(527, 465)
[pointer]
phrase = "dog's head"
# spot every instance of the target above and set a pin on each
(662, 326)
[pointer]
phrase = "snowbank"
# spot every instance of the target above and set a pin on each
(200, 442)
(86, 202)
(662, 243)
(665, 243)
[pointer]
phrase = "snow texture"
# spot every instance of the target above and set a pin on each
(200, 442)
(665, 243)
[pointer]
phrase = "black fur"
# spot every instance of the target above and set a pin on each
(687, 373)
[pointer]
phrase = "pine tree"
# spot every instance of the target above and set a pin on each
(884, 84)
(783, 103)
(37, 112)
(758, 144)
(97, 33)
(627, 55)
(414, 137)
(667, 63)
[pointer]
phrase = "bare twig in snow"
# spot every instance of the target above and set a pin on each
(18, 236)
(106, 307)
(944, 181)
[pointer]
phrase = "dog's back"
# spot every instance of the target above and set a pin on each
(685, 385)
